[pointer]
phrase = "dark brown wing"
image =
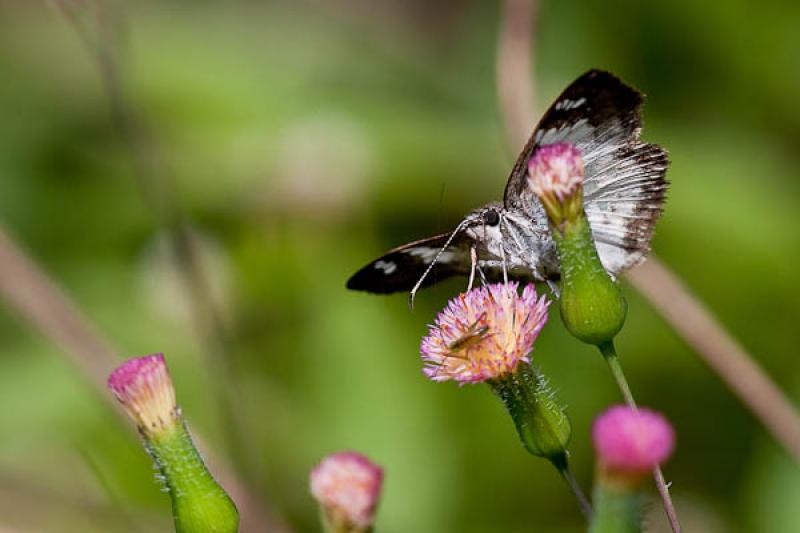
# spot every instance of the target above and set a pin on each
(401, 268)
(624, 186)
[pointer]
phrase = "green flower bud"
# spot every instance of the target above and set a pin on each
(592, 305)
(541, 423)
(629, 443)
(199, 505)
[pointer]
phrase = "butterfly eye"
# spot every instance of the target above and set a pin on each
(491, 217)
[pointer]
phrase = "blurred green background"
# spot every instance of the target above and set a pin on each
(306, 137)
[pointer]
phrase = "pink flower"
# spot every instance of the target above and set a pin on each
(632, 441)
(484, 334)
(144, 388)
(348, 487)
(555, 175)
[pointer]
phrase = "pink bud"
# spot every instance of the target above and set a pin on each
(348, 486)
(144, 388)
(556, 169)
(631, 441)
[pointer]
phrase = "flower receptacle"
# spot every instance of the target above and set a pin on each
(592, 305)
(199, 504)
(541, 423)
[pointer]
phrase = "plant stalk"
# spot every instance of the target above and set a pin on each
(610, 355)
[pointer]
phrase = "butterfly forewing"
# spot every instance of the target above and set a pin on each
(401, 268)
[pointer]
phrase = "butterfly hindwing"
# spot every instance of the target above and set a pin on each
(624, 186)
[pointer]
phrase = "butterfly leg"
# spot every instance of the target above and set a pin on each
(482, 274)
(473, 255)
(505, 270)
(554, 288)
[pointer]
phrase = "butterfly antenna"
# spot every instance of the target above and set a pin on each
(414, 290)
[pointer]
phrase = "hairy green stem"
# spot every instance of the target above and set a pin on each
(541, 423)
(199, 503)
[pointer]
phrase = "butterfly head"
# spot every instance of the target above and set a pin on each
(483, 225)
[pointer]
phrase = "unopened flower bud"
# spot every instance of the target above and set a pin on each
(541, 423)
(631, 442)
(555, 174)
(347, 486)
(592, 305)
(144, 388)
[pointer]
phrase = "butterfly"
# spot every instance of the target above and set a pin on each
(624, 193)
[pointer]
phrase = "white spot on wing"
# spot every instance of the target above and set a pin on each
(571, 133)
(427, 254)
(565, 105)
(387, 266)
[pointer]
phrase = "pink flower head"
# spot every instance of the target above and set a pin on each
(144, 388)
(484, 334)
(631, 441)
(348, 487)
(555, 174)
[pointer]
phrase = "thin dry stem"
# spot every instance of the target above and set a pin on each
(515, 87)
(700, 329)
(36, 298)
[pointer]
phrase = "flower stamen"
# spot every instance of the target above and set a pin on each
(484, 333)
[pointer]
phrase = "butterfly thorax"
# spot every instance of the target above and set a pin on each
(516, 240)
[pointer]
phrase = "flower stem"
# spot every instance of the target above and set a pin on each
(563, 468)
(617, 510)
(610, 354)
(199, 503)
